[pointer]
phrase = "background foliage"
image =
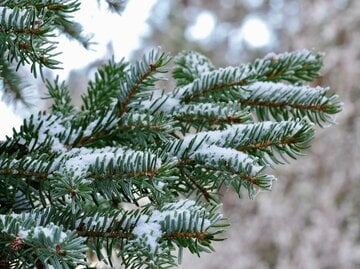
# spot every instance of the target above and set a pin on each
(315, 224)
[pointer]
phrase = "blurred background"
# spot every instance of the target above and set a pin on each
(311, 219)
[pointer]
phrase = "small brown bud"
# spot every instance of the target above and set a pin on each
(17, 244)
(39, 265)
(4, 262)
(38, 22)
(24, 45)
(60, 251)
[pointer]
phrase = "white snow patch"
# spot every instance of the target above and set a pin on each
(79, 160)
(23, 233)
(271, 56)
(215, 154)
(7, 13)
(160, 185)
(164, 103)
(48, 231)
(102, 121)
(148, 229)
(204, 108)
(280, 92)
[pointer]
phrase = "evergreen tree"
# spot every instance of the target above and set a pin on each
(136, 171)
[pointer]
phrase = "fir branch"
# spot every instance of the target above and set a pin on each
(78, 168)
(35, 165)
(140, 78)
(214, 81)
(278, 100)
(26, 38)
(23, 173)
(145, 130)
(103, 91)
(74, 30)
(60, 14)
(27, 28)
(61, 97)
(117, 6)
(15, 88)
(286, 137)
(158, 101)
(128, 235)
(210, 116)
(61, 132)
(190, 65)
(148, 130)
(179, 235)
(237, 179)
(119, 175)
(292, 67)
(67, 7)
(49, 244)
(202, 190)
(94, 127)
(212, 172)
(103, 234)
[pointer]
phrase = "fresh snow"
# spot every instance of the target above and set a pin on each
(48, 231)
(79, 160)
(99, 122)
(303, 53)
(149, 229)
(163, 103)
(280, 92)
(94, 221)
(5, 15)
(55, 126)
(215, 147)
(195, 62)
(271, 56)
(160, 185)
(214, 154)
(202, 108)
(48, 126)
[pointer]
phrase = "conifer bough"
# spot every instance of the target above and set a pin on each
(136, 171)
(28, 31)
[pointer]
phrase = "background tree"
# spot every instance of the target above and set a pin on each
(324, 231)
(28, 40)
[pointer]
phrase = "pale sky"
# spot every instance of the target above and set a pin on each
(125, 33)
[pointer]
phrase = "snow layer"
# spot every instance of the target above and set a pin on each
(79, 160)
(149, 229)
